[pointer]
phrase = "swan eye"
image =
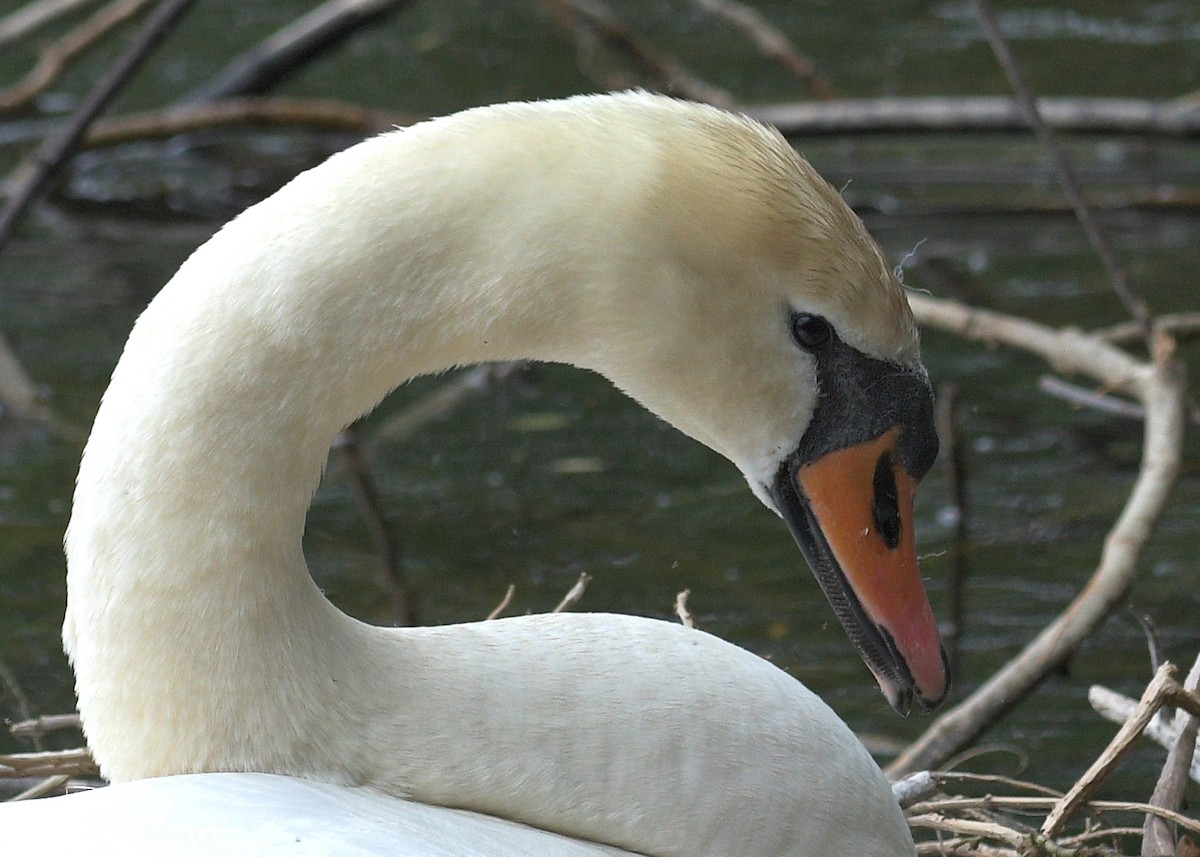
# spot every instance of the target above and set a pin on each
(810, 332)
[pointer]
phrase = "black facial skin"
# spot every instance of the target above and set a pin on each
(859, 399)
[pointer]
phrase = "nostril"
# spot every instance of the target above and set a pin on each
(887, 502)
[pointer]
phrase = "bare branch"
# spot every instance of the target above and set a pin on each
(384, 539)
(36, 727)
(320, 114)
(1082, 397)
(1169, 791)
(50, 785)
(76, 763)
(29, 18)
(573, 594)
(936, 114)
(681, 609)
(55, 57)
(1151, 701)
(18, 393)
(9, 680)
(54, 152)
(1118, 708)
(1159, 387)
(503, 605)
(1180, 325)
(665, 73)
(1091, 226)
(294, 46)
(772, 42)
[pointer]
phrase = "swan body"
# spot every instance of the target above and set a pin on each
(687, 254)
(202, 815)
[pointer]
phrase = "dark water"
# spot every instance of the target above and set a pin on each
(556, 474)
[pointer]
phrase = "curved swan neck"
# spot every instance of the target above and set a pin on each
(295, 319)
(201, 643)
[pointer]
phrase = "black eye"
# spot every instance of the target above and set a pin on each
(810, 331)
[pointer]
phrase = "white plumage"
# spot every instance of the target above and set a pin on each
(659, 243)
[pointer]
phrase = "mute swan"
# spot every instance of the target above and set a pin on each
(687, 254)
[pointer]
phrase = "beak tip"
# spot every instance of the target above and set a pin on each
(899, 698)
(905, 695)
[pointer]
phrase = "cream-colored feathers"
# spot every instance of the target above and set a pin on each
(662, 244)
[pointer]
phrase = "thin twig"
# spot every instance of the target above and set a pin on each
(772, 42)
(1117, 708)
(944, 777)
(9, 679)
(55, 57)
(665, 74)
(290, 49)
(53, 154)
(1180, 325)
(1091, 226)
(1169, 791)
(32, 728)
(681, 609)
(978, 113)
(573, 594)
(384, 539)
(952, 454)
(29, 18)
(1150, 632)
(438, 404)
(1024, 802)
(50, 785)
(18, 393)
(318, 114)
(503, 605)
(1082, 397)
(77, 762)
(1099, 770)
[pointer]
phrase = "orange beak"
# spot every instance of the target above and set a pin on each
(851, 511)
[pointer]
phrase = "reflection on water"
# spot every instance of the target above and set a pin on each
(553, 473)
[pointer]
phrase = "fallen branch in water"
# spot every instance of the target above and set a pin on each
(979, 114)
(38, 727)
(77, 762)
(316, 114)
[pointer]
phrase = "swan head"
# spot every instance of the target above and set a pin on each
(776, 333)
